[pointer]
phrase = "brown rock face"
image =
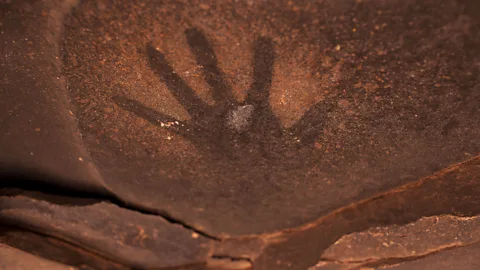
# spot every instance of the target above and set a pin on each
(239, 134)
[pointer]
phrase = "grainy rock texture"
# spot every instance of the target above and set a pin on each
(240, 134)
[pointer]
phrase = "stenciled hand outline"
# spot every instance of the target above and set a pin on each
(232, 129)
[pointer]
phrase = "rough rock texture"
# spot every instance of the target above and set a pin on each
(14, 259)
(387, 245)
(458, 258)
(349, 99)
(129, 237)
(247, 134)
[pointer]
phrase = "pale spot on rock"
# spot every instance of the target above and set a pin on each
(239, 118)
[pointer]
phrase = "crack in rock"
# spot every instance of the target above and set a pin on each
(394, 244)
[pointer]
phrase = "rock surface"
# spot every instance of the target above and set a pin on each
(248, 134)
